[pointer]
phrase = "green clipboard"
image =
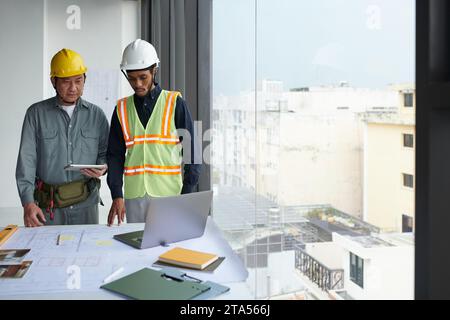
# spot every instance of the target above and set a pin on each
(148, 284)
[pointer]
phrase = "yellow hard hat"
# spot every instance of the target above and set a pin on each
(67, 63)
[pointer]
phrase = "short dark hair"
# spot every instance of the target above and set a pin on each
(148, 68)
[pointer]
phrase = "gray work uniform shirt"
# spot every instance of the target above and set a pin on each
(51, 140)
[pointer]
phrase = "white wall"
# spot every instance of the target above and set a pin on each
(105, 29)
(325, 100)
(327, 253)
(387, 159)
(388, 275)
(279, 277)
(321, 161)
(388, 271)
(131, 24)
(35, 30)
(21, 37)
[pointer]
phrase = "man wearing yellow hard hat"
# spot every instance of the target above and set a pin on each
(56, 132)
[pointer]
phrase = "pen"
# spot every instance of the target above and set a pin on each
(58, 241)
(114, 274)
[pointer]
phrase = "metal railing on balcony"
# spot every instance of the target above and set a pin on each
(323, 277)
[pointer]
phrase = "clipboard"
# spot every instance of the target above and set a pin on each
(215, 290)
(148, 284)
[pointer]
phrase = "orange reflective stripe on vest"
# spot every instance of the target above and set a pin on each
(152, 169)
(168, 111)
(123, 115)
(153, 138)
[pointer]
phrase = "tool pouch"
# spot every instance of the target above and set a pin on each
(71, 193)
(64, 195)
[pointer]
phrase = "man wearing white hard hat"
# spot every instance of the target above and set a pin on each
(144, 149)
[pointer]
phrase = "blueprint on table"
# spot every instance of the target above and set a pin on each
(86, 255)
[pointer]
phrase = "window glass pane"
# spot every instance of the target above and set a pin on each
(408, 99)
(407, 223)
(360, 272)
(408, 140)
(312, 115)
(352, 266)
(233, 160)
(408, 180)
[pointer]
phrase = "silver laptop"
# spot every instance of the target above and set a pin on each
(171, 219)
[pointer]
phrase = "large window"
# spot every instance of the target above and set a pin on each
(309, 104)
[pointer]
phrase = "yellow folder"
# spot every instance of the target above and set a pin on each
(188, 258)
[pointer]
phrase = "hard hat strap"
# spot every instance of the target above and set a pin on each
(125, 74)
(153, 72)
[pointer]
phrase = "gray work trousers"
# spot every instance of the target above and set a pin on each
(136, 209)
(64, 216)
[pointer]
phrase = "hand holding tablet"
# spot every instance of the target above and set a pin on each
(78, 167)
(89, 170)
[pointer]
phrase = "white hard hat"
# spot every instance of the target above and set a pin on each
(139, 54)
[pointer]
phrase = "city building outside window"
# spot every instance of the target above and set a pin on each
(312, 132)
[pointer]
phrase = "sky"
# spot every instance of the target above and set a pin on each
(368, 43)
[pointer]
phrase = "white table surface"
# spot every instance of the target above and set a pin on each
(97, 255)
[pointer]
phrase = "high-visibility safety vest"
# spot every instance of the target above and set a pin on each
(153, 156)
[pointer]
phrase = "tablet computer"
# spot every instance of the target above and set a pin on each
(77, 167)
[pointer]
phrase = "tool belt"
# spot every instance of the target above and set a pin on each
(52, 196)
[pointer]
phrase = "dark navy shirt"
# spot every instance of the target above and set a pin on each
(117, 148)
